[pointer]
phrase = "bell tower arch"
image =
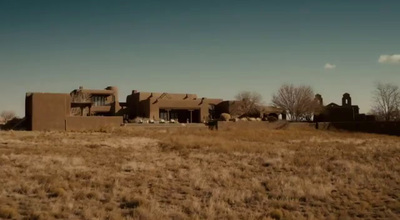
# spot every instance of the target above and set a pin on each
(346, 100)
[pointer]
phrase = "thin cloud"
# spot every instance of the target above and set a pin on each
(329, 66)
(387, 59)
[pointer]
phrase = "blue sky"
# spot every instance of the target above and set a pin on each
(211, 48)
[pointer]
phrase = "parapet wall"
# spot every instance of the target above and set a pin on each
(92, 123)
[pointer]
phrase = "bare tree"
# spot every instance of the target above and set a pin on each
(298, 102)
(386, 102)
(248, 103)
(7, 116)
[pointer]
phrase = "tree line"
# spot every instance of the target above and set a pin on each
(299, 103)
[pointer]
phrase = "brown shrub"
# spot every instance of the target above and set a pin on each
(225, 117)
(57, 192)
(8, 212)
(276, 214)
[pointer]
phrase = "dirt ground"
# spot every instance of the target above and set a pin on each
(249, 170)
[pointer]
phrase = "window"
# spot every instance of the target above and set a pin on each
(163, 114)
(99, 100)
(174, 115)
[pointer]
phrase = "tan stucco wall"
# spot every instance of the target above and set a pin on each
(48, 110)
(93, 123)
(178, 104)
(213, 101)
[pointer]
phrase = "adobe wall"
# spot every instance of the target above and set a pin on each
(144, 109)
(230, 107)
(132, 103)
(223, 107)
(338, 114)
(180, 104)
(378, 127)
(47, 111)
(213, 101)
(114, 99)
(92, 123)
(181, 96)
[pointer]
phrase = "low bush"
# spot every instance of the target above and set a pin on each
(225, 117)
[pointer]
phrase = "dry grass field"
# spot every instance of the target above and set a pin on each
(243, 171)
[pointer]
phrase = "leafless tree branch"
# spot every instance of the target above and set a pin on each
(248, 103)
(7, 116)
(386, 102)
(298, 102)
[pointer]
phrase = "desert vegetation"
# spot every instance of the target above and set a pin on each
(386, 105)
(249, 104)
(6, 116)
(246, 170)
(297, 101)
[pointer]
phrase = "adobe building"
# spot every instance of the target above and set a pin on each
(181, 107)
(90, 109)
(96, 102)
(340, 113)
(54, 111)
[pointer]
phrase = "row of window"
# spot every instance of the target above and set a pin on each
(174, 115)
(164, 115)
(99, 100)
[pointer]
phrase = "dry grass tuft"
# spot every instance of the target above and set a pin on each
(8, 212)
(276, 214)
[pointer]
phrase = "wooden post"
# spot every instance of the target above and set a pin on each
(168, 116)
